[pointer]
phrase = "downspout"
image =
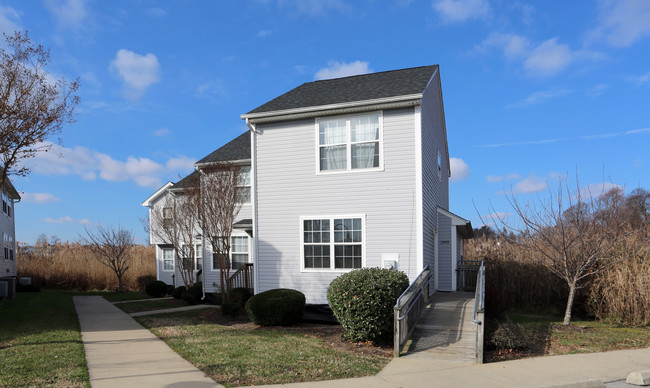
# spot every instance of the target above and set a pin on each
(254, 131)
(203, 263)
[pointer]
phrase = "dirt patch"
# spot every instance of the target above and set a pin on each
(328, 333)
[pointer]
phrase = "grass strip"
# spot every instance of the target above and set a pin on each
(253, 356)
(150, 305)
(40, 341)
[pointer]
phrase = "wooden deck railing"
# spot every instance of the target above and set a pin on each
(409, 308)
(243, 277)
(466, 274)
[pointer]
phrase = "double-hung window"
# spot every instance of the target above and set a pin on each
(198, 256)
(167, 217)
(168, 259)
(350, 143)
(238, 253)
(244, 188)
(334, 243)
(5, 200)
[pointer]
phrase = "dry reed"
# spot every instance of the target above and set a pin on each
(72, 266)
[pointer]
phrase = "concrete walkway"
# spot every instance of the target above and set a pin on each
(122, 353)
(532, 372)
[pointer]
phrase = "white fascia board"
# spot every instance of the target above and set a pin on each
(147, 202)
(455, 219)
(238, 161)
(344, 105)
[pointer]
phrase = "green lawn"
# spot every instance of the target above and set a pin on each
(113, 296)
(243, 354)
(547, 336)
(40, 341)
(159, 304)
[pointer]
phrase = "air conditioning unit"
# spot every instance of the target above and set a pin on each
(390, 261)
(25, 281)
(4, 289)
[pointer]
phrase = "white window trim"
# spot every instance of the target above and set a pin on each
(249, 185)
(332, 269)
(248, 243)
(162, 259)
(348, 143)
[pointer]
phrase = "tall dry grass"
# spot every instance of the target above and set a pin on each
(622, 294)
(515, 279)
(72, 266)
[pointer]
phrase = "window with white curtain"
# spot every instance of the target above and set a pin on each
(350, 143)
(168, 259)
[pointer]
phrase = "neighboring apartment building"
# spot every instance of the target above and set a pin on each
(345, 173)
(8, 232)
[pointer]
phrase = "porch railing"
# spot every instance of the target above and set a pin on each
(466, 274)
(479, 311)
(243, 277)
(409, 308)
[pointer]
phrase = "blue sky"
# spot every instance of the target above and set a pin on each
(532, 91)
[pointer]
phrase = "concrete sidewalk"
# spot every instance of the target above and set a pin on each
(530, 372)
(120, 352)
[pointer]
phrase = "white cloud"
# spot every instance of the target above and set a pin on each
(9, 21)
(459, 169)
(641, 79)
(69, 14)
(264, 33)
(513, 46)
(622, 22)
(501, 178)
(89, 165)
(138, 72)
(314, 7)
(213, 88)
(156, 12)
(539, 97)
(39, 197)
(453, 11)
(595, 190)
(337, 69)
(162, 132)
(597, 90)
(532, 184)
(68, 220)
(543, 60)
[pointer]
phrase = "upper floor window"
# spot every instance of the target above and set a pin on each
(5, 204)
(439, 167)
(350, 143)
(167, 217)
(245, 187)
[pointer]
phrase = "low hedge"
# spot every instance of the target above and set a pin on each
(178, 292)
(278, 307)
(156, 289)
(363, 301)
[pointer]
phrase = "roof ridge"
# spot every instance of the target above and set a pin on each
(368, 74)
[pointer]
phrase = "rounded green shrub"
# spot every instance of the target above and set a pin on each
(509, 335)
(144, 280)
(190, 298)
(278, 307)
(240, 295)
(363, 301)
(156, 289)
(178, 292)
(197, 290)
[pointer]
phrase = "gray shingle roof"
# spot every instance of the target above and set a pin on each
(186, 182)
(237, 149)
(355, 88)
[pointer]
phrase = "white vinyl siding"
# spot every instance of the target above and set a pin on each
(8, 238)
(288, 189)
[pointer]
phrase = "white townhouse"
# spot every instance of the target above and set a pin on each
(8, 230)
(344, 173)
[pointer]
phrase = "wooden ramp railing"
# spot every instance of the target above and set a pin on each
(243, 277)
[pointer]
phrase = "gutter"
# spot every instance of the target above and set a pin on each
(332, 109)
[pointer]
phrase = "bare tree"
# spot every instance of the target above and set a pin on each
(112, 247)
(33, 105)
(219, 197)
(174, 221)
(575, 237)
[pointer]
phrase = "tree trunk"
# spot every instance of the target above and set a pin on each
(120, 286)
(569, 304)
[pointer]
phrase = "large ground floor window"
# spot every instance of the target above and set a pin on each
(168, 259)
(332, 243)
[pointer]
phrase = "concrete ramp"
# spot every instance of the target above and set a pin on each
(446, 330)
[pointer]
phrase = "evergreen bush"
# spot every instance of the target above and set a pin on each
(156, 289)
(281, 306)
(363, 302)
(178, 292)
